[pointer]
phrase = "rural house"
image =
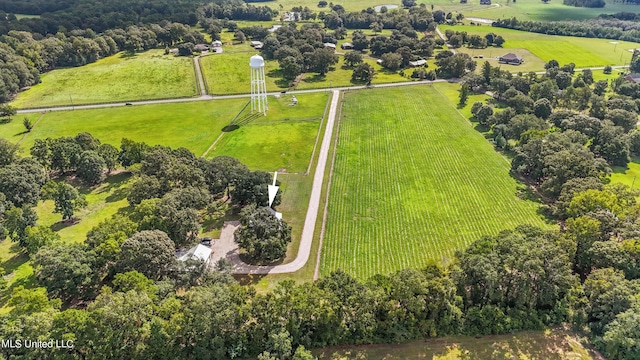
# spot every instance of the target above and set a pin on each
(510, 58)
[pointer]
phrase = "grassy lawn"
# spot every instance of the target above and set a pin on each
(25, 16)
(194, 125)
(555, 344)
(529, 9)
(103, 201)
(148, 75)
(627, 175)
(229, 72)
(413, 181)
(283, 140)
(584, 52)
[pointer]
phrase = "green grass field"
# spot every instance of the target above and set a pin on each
(148, 75)
(194, 125)
(556, 344)
(584, 52)
(522, 9)
(228, 73)
(283, 140)
(413, 181)
(628, 175)
(529, 9)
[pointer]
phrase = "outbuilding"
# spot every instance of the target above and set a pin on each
(417, 63)
(257, 44)
(346, 46)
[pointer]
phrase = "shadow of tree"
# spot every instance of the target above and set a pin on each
(315, 78)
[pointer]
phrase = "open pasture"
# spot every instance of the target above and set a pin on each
(413, 181)
(193, 125)
(283, 140)
(529, 9)
(584, 52)
(522, 9)
(143, 76)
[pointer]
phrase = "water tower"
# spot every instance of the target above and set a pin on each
(258, 85)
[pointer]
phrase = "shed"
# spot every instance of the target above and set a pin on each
(216, 43)
(257, 44)
(346, 46)
(201, 47)
(330, 45)
(510, 58)
(198, 252)
(417, 63)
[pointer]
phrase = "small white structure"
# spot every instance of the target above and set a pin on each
(198, 252)
(330, 45)
(417, 63)
(294, 100)
(257, 44)
(216, 43)
(258, 85)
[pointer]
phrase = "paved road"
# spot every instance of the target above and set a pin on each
(222, 97)
(312, 211)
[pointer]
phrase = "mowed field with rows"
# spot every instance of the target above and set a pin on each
(413, 181)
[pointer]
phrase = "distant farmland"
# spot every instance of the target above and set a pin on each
(413, 181)
(143, 76)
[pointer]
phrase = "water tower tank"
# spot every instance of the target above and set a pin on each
(256, 62)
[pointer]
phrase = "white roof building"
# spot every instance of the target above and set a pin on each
(418, 62)
(198, 252)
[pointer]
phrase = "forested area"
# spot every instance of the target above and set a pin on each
(605, 27)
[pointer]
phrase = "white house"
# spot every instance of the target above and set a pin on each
(198, 252)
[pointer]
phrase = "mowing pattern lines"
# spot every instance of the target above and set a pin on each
(412, 182)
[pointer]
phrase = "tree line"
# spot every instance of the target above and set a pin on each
(101, 16)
